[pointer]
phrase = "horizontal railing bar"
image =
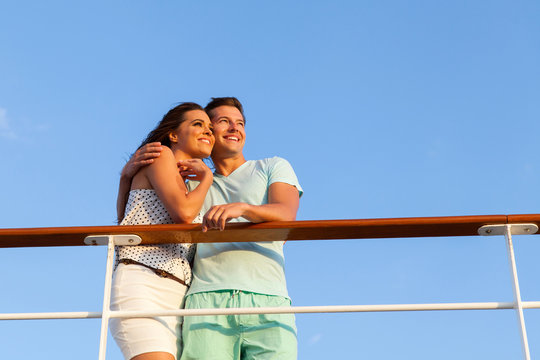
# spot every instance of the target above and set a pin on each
(268, 231)
(51, 315)
(275, 310)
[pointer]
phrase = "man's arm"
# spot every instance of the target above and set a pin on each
(283, 202)
(122, 198)
(142, 157)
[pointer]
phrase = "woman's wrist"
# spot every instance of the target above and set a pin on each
(208, 174)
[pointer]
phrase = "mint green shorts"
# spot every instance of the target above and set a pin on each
(265, 336)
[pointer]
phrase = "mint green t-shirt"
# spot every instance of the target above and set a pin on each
(249, 266)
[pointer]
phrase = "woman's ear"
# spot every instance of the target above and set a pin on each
(173, 137)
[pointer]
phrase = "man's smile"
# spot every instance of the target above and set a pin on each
(232, 138)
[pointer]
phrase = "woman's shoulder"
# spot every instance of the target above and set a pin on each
(165, 157)
(163, 162)
(166, 151)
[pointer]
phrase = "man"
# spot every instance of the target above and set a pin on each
(241, 274)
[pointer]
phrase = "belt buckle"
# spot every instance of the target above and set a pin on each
(162, 273)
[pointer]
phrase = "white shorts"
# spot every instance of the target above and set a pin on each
(135, 287)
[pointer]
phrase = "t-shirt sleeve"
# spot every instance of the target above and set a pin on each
(281, 171)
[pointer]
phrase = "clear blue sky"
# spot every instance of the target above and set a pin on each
(384, 108)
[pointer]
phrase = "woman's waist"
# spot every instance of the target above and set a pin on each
(173, 258)
(181, 278)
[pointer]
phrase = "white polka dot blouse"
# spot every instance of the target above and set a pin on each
(145, 208)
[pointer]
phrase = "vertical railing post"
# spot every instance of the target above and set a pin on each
(106, 299)
(507, 230)
(518, 305)
(110, 241)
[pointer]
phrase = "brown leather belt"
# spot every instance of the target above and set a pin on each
(158, 272)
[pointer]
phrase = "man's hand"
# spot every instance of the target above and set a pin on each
(142, 157)
(219, 215)
(283, 200)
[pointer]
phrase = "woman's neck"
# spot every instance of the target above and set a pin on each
(180, 155)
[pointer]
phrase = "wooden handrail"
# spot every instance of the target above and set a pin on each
(269, 231)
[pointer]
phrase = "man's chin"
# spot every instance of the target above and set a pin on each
(226, 152)
(228, 148)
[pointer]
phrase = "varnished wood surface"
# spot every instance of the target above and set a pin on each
(270, 231)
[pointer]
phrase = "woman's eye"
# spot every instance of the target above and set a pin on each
(197, 124)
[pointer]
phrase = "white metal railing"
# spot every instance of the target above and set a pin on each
(518, 304)
(111, 240)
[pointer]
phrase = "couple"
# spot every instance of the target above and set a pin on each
(153, 191)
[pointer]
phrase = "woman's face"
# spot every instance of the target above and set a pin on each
(194, 136)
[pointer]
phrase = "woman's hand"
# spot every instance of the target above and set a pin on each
(193, 169)
(142, 157)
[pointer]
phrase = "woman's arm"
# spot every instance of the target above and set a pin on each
(142, 157)
(163, 175)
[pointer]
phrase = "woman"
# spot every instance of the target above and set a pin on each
(157, 276)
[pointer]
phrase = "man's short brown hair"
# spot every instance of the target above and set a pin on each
(224, 101)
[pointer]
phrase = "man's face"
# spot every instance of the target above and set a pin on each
(229, 131)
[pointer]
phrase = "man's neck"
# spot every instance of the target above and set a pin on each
(225, 166)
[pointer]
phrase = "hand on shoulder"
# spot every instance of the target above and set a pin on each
(142, 157)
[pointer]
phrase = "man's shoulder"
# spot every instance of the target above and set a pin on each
(270, 161)
(272, 167)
